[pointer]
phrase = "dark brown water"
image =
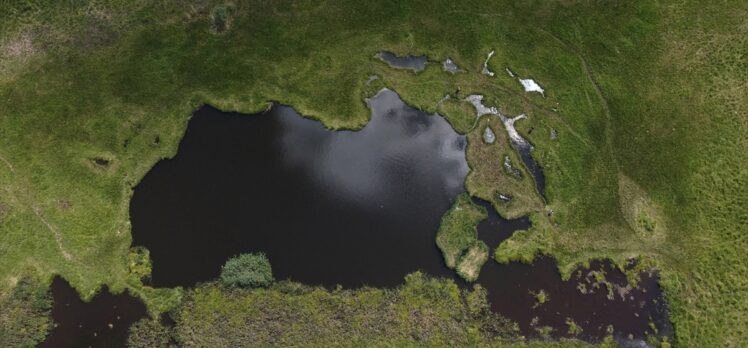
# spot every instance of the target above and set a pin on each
(349, 208)
(525, 153)
(103, 322)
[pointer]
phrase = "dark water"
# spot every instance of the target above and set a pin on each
(525, 153)
(328, 207)
(494, 229)
(349, 208)
(103, 322)
(415, 63)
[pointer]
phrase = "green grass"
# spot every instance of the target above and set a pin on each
(457, 238)
(648, 100)
(488, 178)
(25, 314)
(423, 311)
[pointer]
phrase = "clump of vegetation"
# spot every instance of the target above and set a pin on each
(423, 311)
(574, 328)
(25, 314)
(457, 238)
(148, 332)
(541, 297)
(247, 270)
(139, 262)
(646, 222)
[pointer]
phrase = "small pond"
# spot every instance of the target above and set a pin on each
(415, 63)
(352, 208)
(102, 322)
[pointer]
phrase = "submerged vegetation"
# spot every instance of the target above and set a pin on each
(640, 132)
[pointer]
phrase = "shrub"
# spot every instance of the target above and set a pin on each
(247, 270)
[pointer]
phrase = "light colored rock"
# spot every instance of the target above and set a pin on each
(531, 86)
(504, 198)
(449, 65)
(480, 109)
(513, 134)
(485, 70)
(488, 136)
(371, 79)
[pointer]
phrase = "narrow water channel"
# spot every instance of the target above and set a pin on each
(352, 208)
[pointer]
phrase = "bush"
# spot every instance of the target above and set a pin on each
(247, 270)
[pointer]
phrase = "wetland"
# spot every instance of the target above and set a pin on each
(357, 209)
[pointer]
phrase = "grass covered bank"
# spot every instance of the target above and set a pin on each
(457, 238)
(422, 312)
(647, 99)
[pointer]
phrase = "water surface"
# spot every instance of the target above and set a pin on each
(102, 322)
(415, 63)
(328, 207)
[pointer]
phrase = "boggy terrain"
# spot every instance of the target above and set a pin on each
(639, 129)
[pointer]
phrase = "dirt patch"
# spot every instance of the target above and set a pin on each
(64, 204)
(20, 47)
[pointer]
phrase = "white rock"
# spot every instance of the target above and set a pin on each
(449, 65)
(531, 86)
(480, 109)
(485, 70)
(513, 135)
(488, 135)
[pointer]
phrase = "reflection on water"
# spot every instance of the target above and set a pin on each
(328, 207)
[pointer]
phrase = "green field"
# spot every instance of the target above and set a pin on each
(648, 100)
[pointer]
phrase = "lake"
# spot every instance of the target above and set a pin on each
(353, 208)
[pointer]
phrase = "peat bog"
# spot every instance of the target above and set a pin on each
(354, 208)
